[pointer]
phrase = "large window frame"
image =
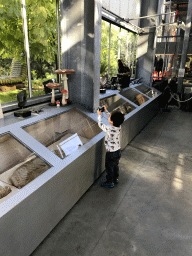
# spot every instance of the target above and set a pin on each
(13, 105)
(10, 106)
(112, 19)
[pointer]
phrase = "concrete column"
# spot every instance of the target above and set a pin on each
(80, 46)
(145, 42)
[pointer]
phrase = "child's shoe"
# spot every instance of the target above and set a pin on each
(107, 184)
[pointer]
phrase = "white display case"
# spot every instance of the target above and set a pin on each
(116, 103)
(55, 180)
(19, 166)
(143, 104)
(149, 91)
(49, 185)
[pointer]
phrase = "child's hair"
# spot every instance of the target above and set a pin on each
(117, 118)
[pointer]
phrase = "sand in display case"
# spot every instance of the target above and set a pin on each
(64, 133)
(19, 166)
(116, 103)
(134, 96)
(149, 91)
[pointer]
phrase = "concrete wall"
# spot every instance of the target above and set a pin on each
(80, 47)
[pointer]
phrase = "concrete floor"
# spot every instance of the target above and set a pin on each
(149, 212)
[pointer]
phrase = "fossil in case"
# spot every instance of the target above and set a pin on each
(19, 166)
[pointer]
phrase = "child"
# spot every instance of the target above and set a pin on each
(112, 145)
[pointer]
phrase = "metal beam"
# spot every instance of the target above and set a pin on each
(169, 36)
(117, 20)
(149, 16)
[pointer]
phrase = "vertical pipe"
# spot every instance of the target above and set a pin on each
(119, 49)
(127, 48)
(58, 38)
(185, 44)
(109, 49)
(155, 41)
(177, 40)
(166, 58)
(133, 56)
(26, 46)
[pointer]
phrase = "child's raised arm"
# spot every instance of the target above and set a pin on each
(106, 111)
(100, 123)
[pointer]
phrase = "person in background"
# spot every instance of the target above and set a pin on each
(123, 74)
(112, 145)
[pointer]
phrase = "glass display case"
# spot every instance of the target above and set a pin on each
(115, 102)
(37, 186)
(149, 91)
(64, 133)
(19, 165)
(134, 96)
(39, 145)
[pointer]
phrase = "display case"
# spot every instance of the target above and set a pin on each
(19, 166)
(53, 172)
(115, 102)
(65, 132)
(142, 108)
(149, 91)
(40, 182)
(134, 96)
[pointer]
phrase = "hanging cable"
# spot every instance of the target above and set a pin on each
(179, 100)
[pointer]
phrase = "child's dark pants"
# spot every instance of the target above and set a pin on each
(112, 165)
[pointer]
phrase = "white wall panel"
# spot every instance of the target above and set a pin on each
(124, 8)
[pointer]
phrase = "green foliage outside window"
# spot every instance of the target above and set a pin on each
(42, 34)
(114, 50)
(104, 48)
(42, 29)
(127, 41)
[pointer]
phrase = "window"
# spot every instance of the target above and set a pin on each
(116, 43)
(42, 35)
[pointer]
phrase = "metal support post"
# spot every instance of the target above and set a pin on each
(109, 49)
(119, 49)
(185, 47)
(58, 38)
(127, 48)
(154, 52)
(27, 47)
(133, 56)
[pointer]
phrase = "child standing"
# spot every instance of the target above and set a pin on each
(112, 145)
